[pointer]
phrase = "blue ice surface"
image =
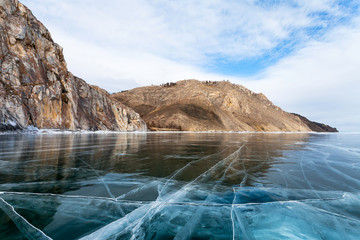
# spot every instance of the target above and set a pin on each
(180, 186)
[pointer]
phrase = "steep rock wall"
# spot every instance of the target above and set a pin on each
(37, 89)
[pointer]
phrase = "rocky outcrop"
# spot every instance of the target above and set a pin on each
(192, 105)
(315, 126)
(37, 89)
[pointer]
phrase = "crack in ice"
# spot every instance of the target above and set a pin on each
(231, 214)
(28, 230)
(114, 228)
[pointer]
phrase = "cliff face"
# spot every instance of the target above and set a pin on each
(191, 105)
(37, 89)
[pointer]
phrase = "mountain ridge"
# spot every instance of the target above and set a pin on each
(192, 105)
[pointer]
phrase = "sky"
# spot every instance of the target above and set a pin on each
(303, 55)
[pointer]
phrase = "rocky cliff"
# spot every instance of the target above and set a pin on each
(37, 89)
(191, 105)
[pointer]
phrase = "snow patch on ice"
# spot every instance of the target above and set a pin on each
(32, 128)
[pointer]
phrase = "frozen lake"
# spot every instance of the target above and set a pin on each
(180, 186)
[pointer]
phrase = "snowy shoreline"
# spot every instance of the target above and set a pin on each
(34, 130)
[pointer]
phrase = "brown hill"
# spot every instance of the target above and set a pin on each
(192, 105)
(37, 89)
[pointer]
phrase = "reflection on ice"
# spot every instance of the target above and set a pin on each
(206, 186)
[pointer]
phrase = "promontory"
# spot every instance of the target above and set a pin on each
(192, 105)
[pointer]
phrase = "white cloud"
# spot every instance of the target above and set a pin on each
(321, 81)
(185, 31)
(125, 69)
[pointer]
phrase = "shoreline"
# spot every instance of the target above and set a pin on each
(59, 131)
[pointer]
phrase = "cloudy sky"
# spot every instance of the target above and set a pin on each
(303, 55)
